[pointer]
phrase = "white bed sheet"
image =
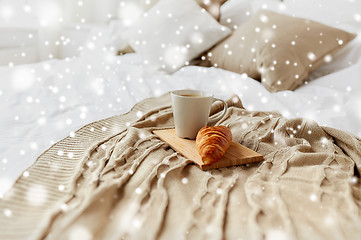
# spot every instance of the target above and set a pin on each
(45, 102)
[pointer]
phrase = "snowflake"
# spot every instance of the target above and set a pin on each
(311, 56)
(89, 163)
(54, 89)
(336, 108)
(8, 212)
(263, 18)
(62, 99)
(276, 234)
(138, 191)
(139, 114)
(357, 17)
(184, 180)
(142, 136)
(33, 145)
(36, 195)
(29, 99)
(137, 223)
(264, 100)
(41, 121)
(80, 232)
(64, 207)
(313, 197)
(129, 13)
(354, 180)
(324, 141)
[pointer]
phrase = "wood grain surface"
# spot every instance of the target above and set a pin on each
(236, 154)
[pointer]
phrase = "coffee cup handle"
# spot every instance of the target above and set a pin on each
(225, 106)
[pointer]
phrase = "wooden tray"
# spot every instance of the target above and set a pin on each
(236, 154)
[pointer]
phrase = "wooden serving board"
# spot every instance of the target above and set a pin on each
(236, 154)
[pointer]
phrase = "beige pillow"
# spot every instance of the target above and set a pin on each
(277, 49)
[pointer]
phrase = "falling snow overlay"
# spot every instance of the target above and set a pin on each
(65, 64)
(135, 185)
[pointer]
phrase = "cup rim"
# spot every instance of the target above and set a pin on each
(202, 94)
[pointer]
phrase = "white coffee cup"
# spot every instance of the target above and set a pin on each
(191, 110)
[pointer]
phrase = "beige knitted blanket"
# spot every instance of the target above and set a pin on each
(115, 180)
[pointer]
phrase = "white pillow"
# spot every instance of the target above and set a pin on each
(236, 12)
(173, 32)
(116, 31)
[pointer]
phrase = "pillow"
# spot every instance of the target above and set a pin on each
(116, 40)
(342, 14)
(277, 49)
(236, 12)
(174, 32)
(211, 6)
(345, 58)
(323, 11)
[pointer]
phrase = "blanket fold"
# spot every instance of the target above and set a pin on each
(116, 180)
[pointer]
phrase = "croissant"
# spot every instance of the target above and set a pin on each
(212, 143)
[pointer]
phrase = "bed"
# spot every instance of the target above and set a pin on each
(48, 102)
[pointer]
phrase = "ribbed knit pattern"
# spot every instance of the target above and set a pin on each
(115, 180)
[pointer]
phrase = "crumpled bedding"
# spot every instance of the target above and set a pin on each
(47, 101)
(114, 179)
